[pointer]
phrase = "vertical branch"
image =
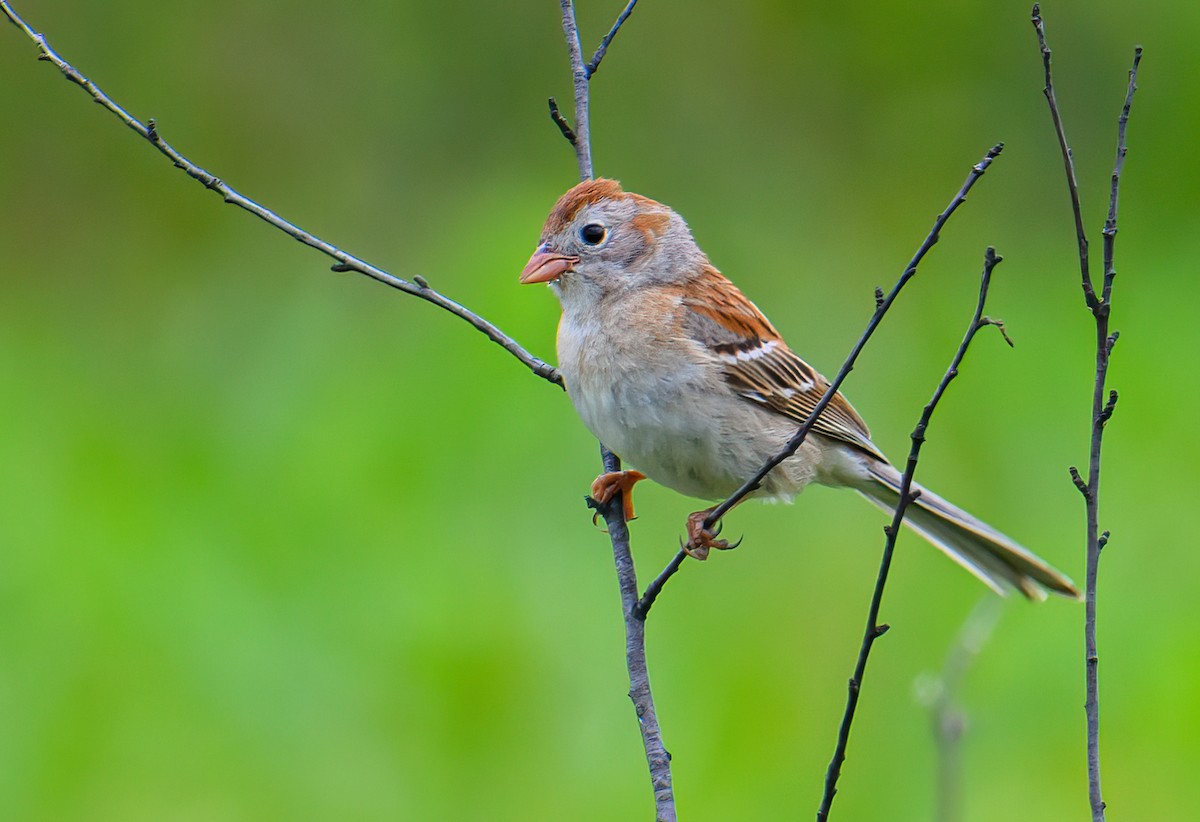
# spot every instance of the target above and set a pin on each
(639, 692)
(1110, 224)
(579, 77)
(657, 758)
(874, 629)
(1102, 405)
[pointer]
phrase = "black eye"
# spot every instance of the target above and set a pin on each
(593, 233)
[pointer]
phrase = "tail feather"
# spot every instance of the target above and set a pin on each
(991, 556)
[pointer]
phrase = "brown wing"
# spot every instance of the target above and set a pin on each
(760, 367)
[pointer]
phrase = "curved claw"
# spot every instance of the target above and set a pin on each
(702, 540)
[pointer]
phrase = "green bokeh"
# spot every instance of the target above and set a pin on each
(279, 543)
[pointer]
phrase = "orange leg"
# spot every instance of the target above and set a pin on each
(701, 540)
(609, 485)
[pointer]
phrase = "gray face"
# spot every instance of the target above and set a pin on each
(623, 243)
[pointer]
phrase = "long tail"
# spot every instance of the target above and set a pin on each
(998, 561)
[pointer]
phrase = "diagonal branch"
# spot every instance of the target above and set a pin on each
(345, 262)
(557, 116)
(798, 438)
(882, 304)
(1089, 292)
(646, 602)
(874, 629)
(594, 64)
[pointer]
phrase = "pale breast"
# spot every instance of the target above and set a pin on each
(660, 406)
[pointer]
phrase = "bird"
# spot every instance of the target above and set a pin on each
(671, 367)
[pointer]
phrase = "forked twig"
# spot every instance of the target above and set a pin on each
(646, 601)
(419, 287)
(874, 629)
(594, 64)
(1102, 409)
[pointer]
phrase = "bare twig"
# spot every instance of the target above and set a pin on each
(931, 239)
(655, 587)
(947, 719)
(1102, 409)
(345, 261)
(639, 683)
(594, 64)
(874, 629)
(882, 304)
(1089, 292)
(1110, 224)
(561, 122)
(657, 758)
(579, 77)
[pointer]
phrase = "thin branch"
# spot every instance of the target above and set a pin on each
(594, 64)
(874, 629)
(1110, 225)
(1089, 292)
(1102, 408)
(561, 122)
(345, 261)
(1080, 482)
(646, 602)
(881, 309)
(656, 754)
(1109, 407)
(882, 304)
(579, 76)
(657, 758)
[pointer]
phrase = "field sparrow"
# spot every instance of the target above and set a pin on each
(671, 367)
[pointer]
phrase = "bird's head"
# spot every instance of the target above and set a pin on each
(600, 240)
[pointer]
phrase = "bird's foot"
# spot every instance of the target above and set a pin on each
(607, 486)
(701, 540)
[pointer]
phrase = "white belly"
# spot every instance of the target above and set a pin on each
(658, 410)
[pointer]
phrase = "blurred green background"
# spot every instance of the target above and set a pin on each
(279, 543)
